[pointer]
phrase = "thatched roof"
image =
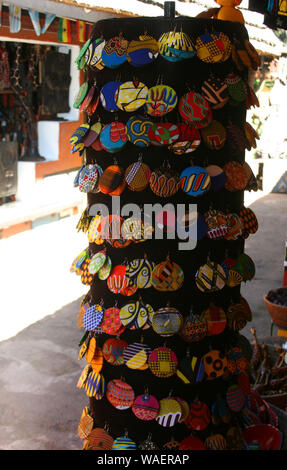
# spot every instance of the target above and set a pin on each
(262, 37)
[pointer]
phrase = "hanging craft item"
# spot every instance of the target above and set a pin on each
(80, 59)
(235, 139)
(99, 439)
(249, 220)
(236, 361)
(142, 51)
(89, 177)
(137, 130)
(235, 398)
(245, 266)
(164, 133)
(244, 55)
(235, 227)
(188, 141)
(215, 364)
(163, 362)
(220, 412)
(131, 95)
(134, 315)
(136, 356)
(216, 319)
(120, 394)
(91, 100)
(236, 178)
(164, 181)
(213, 47)
(76, 139)
(169, 413)
(160, 100)
(93, 317)
(148, 444)
(215, 442)
(93, 383)
(112, 180)
(81, 95)
(92, 134)
(137, 230)
(139, 272)
(194, 328)
(97, 261)
(97, 364)
(114, 52)
(214, 135)
(171, 445)
(113, 351)
(215, 91)
(79, 260)
(111, 322)
(252, 183)
(93, 54)
(194, 108)
(85, 425)
(199, 416)
(137, 175)
(124, 443)
(145, 407)
(210, 277)
(217, 224)
(236, 89)
(195, 181)
(167, 276)
(86, 277)
(237, 316)
(251, 135)
(113, 136)
(167, 321)
(110, 230)
(175, 46)
(191, 443)
(193, 224)
(117, 281)
(107, 95)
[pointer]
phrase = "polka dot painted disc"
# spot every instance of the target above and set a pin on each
(163, 362)
(120, 394)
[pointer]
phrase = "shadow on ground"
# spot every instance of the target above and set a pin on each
(39, 369)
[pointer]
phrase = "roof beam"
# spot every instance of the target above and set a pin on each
(65, 10)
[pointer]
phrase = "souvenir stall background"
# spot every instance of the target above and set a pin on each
(182, 76)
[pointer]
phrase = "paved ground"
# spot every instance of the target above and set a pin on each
(40, 404)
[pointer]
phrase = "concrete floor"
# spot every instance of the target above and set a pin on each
(39, 368)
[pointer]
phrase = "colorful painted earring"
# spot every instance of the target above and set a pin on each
(167, 276)
(131, 95)
(114, 52)
(160, 100)
(145, 406)
(143, 51)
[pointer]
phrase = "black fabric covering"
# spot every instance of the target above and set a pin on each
(180, 75)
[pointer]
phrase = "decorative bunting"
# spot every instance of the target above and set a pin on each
(14, 18)
(81, 31)
(35, 18)
(64, 30)
(48, 21)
